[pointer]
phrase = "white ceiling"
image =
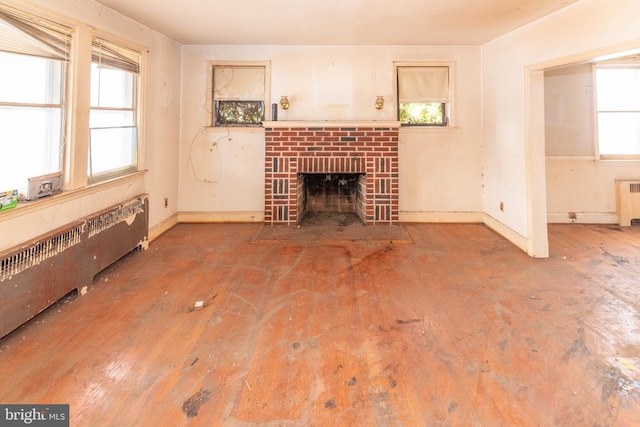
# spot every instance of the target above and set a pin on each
(335, 22)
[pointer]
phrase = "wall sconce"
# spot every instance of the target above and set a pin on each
(379, 102)
(284, 102)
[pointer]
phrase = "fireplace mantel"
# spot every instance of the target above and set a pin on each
(330, 124)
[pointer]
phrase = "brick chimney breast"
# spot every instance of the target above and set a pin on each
(365, 148)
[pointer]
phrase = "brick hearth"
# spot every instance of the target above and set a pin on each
(368, 150)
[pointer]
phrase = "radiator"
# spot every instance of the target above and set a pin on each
(36, 274)
(627, 200)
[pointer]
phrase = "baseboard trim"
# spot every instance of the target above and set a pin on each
(506, 232)
(453, 217)
(159, 229)
(583, 218)
(221, 217)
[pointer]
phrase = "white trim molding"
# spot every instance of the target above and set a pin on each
(440, 217)
(165, 225)
(506, 232)
(582, 218)
(221, 217)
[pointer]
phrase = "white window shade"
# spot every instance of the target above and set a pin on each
(30, 35)
(111, 55)
(423, 84)
(238, 83)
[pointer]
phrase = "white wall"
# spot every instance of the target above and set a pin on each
(513, 148)
(222, 170)
(161, 131)
(585, 188)
(569, 111)
(576, 183)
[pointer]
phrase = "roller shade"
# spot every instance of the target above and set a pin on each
(238, 83)
(110, 55)
(423, 84)
(30, 35)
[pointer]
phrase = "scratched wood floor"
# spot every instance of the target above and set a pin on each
(458, 328)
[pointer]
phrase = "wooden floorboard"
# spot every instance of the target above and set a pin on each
(455, 328)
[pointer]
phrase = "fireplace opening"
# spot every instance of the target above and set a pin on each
(322, 194)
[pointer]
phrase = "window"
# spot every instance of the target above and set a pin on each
(238, 95)
(618, 111)
(424, 95)
(34, 53)
(113, 118)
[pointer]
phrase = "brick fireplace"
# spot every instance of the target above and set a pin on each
(368, 151)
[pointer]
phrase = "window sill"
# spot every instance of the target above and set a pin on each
(26, 207)
(571, 158)
(610, 161)
(232, 129)
(428, 129)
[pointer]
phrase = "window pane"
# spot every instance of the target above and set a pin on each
(618, 89)
(31, 141)
(113, 121)
(239, 112)
(30, 80)
(111, 118)
(111, 88)
(619, 133)
(112, 150)
(423, 113)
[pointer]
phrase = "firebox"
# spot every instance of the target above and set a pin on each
(332, 192)
(331, 167)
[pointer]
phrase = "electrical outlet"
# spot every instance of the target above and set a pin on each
(166, 202)
(501, 206)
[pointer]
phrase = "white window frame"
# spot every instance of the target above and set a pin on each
(137, 113)
(76, 110)
(55, 44)
(210, 100)
(616, 63)
(450, 107)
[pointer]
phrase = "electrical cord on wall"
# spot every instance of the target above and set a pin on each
(213, 149)
(214, 146)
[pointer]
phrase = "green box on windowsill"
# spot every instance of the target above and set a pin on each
(8, 199)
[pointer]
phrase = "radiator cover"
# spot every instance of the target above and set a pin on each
(627, 201)
(35, 275)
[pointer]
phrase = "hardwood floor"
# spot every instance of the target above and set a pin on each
(458, 328)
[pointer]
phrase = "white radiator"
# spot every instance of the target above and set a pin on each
(627, 201)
